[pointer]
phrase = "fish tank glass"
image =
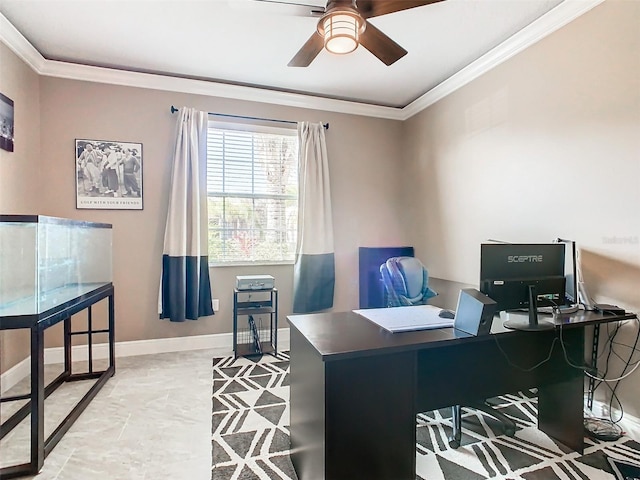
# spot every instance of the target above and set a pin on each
(47, 261)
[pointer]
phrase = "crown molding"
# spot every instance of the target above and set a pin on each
(16, 42)
(564, 13)
(548, 23)
(52, 68)
(112, 76)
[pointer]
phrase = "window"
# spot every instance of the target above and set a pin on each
(252, 189)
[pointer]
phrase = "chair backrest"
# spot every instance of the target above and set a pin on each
(406, 281)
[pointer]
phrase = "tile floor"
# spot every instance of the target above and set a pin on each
(151, 421)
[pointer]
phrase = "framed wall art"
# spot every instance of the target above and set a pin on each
(6, 123)
(108, 175)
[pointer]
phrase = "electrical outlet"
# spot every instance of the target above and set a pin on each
(216, 304)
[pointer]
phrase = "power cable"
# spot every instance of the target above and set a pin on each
(529, 369)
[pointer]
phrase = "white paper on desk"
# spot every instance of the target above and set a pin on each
(404, 319)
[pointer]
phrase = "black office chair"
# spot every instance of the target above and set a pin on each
(406, 282)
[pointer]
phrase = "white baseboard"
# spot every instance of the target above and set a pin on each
(12, 376)
(221, 343)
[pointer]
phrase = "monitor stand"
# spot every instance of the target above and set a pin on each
(532, 325)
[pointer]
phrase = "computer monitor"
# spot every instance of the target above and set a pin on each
(519, 275)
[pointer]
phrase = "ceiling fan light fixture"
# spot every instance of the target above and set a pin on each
(341, 31)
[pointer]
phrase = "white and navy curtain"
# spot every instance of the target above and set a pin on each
(314, 269)
(185, 288)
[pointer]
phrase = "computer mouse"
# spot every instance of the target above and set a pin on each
(447, 314)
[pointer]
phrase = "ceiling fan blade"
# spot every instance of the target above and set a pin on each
(375, 8)
(303, 8)
(381, 46)
(308, 52)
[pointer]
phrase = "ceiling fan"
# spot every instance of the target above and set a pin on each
(343, 26)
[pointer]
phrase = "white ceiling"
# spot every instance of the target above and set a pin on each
(248, 42)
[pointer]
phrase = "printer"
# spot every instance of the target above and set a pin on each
(255, 282)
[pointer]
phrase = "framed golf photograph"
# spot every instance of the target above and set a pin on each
(108, 175)
(6, 123)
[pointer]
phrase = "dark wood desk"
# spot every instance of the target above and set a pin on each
(356, 388)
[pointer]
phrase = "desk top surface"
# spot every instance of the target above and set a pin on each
(347, 334)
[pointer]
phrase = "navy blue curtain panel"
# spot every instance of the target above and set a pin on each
(186, 289)
(314, 276)
(314, 268)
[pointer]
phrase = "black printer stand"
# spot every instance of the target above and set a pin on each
(255, 322)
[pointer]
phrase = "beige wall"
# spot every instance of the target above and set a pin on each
(362, 153)
(546, 145)
(19, 170)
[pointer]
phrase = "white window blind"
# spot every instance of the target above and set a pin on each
(252, 189)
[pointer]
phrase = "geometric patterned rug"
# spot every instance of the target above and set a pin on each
(251, 418)
(250, 435)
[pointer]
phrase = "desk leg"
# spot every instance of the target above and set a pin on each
(560, 404)
(37, 399)
(352, 418)
(67, 346)
(307, 412)
(371, 417)
(560, 413)
(112, 334)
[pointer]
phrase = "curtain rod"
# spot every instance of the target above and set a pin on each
(325, 125)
